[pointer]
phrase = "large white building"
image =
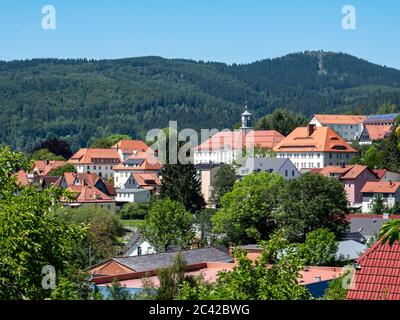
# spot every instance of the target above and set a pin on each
(227, 147)
(314, 147)
(349, 127)
(98, 161)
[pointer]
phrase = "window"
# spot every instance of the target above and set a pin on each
(88, 167)
(286, 173)
(292, 173)
(94, 167)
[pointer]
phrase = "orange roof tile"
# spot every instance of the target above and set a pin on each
(128, 146)
(147, 179)
(89, 194)
(22, 178)
(378, 275)
(44, 167)
(87, 156)
(325, 119)
(322, 139)
(236, 140)
(349, 172)
(380, 187)
(377, 132)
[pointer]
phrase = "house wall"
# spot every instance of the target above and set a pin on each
(143, 248)
(311, 160)
(353, 187)
(214, 156)
(348, 132)
(141, 196)
(288, 171)
(389, 200)
(103, 170)
(391, 176)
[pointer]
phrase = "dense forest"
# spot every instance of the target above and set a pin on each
(77, 100)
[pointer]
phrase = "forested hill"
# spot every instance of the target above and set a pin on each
(80, 99)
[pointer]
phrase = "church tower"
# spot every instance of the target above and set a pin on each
(246, 120)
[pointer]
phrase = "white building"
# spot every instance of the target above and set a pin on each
(349, 127)
(98, 161)
(314, 147)
(390, 192)
(228, 146)
(139, 246)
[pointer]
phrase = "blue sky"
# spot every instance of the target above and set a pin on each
(212, 30)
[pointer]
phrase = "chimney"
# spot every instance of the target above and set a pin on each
(317, 279)
(311, 129)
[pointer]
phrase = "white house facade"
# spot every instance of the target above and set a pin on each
(389, 191)
(314, 147)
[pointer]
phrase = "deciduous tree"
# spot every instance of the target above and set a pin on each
(167, 224)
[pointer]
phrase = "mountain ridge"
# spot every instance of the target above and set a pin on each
(77, 99)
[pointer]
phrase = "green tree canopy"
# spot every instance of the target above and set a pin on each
(246, 214)
(100, 241)
(378, 206)
(310, 202)
(180, 182)
(253, 280)
(319, 248)
(134, 211)
(390, 231)
(45, 154)
(281, 120)
(168, 224)
(58, 172)
(32, 235)
(109, 141)
(224, 180)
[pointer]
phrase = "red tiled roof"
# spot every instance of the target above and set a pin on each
(88, 155)
(236, 140)
(44, 167)
(376, 132)
(339, 119)
(378, 277)
(379, 172)
(87, 183)
(22, 178)
(129, 146)
(146, 179)
(348, 172)
(89, 194)
(150, 162)
(380, 187)
(321, 139)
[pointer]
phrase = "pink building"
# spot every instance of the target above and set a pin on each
(353, 177)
